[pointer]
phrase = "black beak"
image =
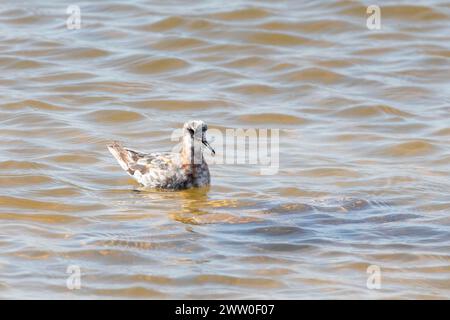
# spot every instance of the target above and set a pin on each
(209, 147)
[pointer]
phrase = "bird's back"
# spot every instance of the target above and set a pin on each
(160, 169)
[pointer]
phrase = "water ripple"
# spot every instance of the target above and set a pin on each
(363, 173)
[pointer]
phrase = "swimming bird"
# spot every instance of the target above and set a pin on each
(169, 170)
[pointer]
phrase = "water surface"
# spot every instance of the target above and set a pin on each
(364, 149)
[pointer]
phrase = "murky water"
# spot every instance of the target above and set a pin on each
(363, 179)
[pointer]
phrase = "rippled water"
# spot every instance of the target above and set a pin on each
(364, 149)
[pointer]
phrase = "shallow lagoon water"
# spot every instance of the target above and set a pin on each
(363, 177)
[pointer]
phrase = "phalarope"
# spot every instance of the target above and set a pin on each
(169, 170)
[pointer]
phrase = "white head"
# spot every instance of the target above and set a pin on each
(194, 133)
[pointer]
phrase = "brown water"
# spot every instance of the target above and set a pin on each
(364, 119)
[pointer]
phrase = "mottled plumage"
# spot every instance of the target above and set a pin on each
(169, 170)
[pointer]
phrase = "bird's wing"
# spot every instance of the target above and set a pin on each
(156, 161)
(153, 169)
(157, 170)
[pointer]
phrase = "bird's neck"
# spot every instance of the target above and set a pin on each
(191, 152)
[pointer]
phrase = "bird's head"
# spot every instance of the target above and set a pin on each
(196, 130)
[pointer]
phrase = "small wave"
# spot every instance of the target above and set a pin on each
(151, 66)
(178, 44)
(237, 281)
(129, 292)
(23, 180)
(22, 165)
(409, 149)
(442, 132)
(22, 64)
(254, 89)
(73, 158)
(413, 13)
(39, 217)
(315, 75)
(284, 39)
(179, 104)
(22, 203)
(249, 62)
(315, 26)
(399, 12)
(212, 218)
(289, 208)
(371, 111)
(280, 231)
(272, 118)
(81, 53)
(35, 104)
(164, 24)
(114, 116)
(330, 172)
(241, 14)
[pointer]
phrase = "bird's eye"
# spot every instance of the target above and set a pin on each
(191, 131)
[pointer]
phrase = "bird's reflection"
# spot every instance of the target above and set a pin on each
(196, 207)
(193, 202)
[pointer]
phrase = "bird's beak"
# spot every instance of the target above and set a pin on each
(209, 147)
